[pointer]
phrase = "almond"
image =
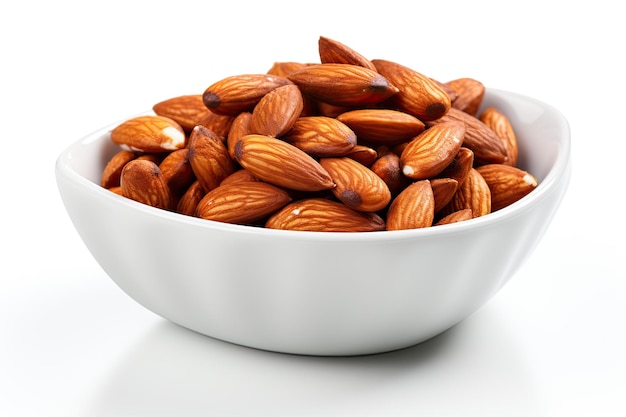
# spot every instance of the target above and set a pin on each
(209, 158)
(418, 95)
(280, 163)
(432, 151)
(473, 194)
(238, 129)
(413, 208)
(277, 111)
(186, 110)
(460, 166)
(321, 136)
(238, 93)
(502, 127)
(389, 169)
(343, 84)
(480, 138)
(149, 134)
(283, 69)
(455, 217)
(189, 200)
(469, 94)
(364, 155)
(242, 203)
(507, 184)
(321, 215)
(113, 168)
(382, 126)
(143, 181)
(239, 176)
(177, 171)
(443, 191)
(333, 52)
(358, 187)
(219, 123)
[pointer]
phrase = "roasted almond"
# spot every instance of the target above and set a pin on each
(185, 110)
(177, 171)
(469, 94)
(239, 176)
(149, 133)
(343, 84)
(277, 111)
(242, 203)
(443, 191)
(209, 158)
(321, 136)
(480, 138)
(238, 129)
(322, 215)
(382, 126)
(189, 200)
(113, 168)
(143, 181)
(432, 151)
(473, 194)
(364, 155)
(502, 127)
(388, 168)
(455, 217)
(418, 95)
(507, 184)
(357, 186)
(219, 123)
(413, 208)
(460, 166)
(334, 52)
(280, 163)
(237, 93)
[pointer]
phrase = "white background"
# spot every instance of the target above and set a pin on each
(551, 343)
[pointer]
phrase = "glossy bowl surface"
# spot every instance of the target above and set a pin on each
(317, 293)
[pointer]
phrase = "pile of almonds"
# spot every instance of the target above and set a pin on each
(347, 144)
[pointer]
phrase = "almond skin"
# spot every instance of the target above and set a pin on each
(418, 95)
(142, 181)
(322, 215)
(185, 110)
(502, 127)
(321, 136)
(209, 158)
(334, 52)
(149, 134)
(189, 200)
(473, 194)
(343, 84)
(469, 94)
(382, 126)
(280, 163)
(480, 138)
(277, 111)
(242, 203)
(413, 208)
(432, 151)
(358, 187)
(455, 217)
(113, 169)
(238, 93)
(507, 184)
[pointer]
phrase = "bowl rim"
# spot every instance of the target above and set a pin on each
(555, 174)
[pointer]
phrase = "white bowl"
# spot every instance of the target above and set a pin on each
(317, 293)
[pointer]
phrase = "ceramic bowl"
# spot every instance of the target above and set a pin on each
(317, 293)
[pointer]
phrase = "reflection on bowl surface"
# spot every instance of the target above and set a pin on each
(317, 293)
